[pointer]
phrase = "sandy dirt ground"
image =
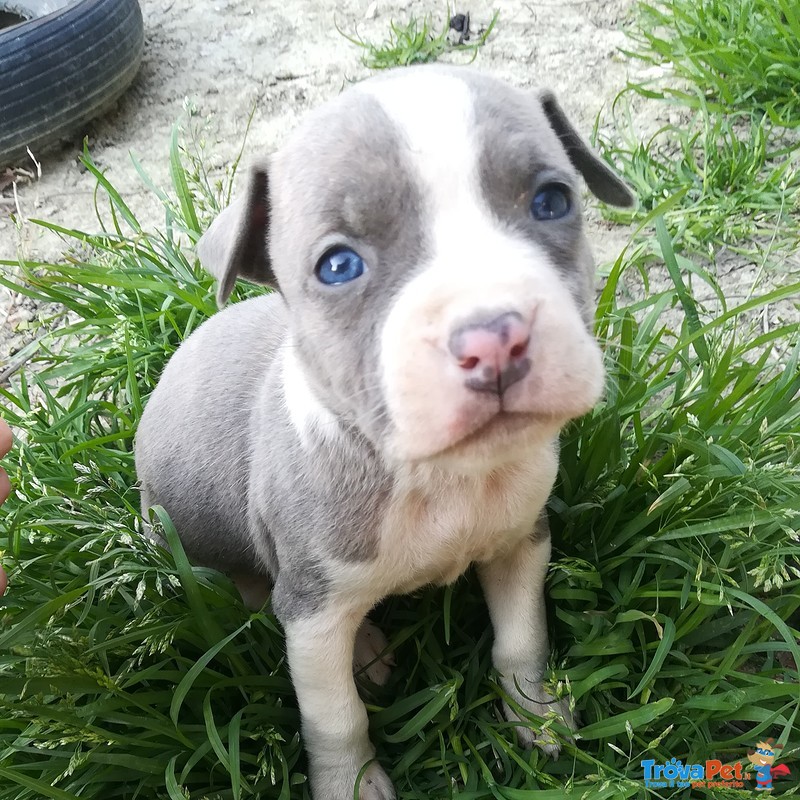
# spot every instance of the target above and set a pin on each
(283, 58)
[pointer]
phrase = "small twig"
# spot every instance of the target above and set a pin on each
(16, 200)
(36, 163)
(16, 365)
(290, 76)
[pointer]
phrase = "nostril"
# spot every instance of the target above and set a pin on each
(491, 346)
(519, 349)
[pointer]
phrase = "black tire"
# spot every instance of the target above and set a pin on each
(61, 70)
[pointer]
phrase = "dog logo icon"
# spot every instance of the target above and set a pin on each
(763, 761)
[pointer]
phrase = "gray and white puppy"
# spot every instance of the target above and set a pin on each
(391, 414)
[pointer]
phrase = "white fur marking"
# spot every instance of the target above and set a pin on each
(435, 113)
(438, 522)
(307, 414)
(514, 588)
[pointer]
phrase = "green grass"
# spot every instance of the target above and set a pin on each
(417, 42)
(737, 182)
(736, 52)
(675, 585)
(730, 71)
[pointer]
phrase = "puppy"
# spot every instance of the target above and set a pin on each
(390, 415)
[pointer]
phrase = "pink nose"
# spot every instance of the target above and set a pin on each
(493, 353)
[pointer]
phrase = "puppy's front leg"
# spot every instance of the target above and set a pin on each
(514, 587)
(320, 650)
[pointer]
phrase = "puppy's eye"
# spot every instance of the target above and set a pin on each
(551, 202)
(340, 265)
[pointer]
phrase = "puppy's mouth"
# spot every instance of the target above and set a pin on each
(503, 428)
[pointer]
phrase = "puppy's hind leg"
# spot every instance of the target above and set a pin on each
(372, 656)
(320, 649)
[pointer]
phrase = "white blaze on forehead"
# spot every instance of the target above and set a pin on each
(470, 247)
(435, 113)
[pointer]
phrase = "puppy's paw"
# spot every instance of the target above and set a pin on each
(543, 705)
(339, 784)
(375, 785)
(371, 656)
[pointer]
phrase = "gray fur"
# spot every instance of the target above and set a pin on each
(329, 498)
(346, 170)
(259, 495)
(599, 177)
(192, 453)
(512, 171)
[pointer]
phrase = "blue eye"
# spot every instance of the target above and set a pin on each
(340, 265)
(551, 202)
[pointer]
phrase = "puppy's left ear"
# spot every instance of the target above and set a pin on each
(600, 178)
(235, 246)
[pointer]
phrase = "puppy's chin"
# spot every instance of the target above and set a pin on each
(506, 438)
(503, 437)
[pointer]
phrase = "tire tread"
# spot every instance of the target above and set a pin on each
(60, 71)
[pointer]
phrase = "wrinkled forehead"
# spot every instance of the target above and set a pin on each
(398, 141)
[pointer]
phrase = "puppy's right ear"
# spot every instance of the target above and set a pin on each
(236, 243)
(600, 178)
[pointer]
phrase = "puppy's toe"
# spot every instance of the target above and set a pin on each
(375, 785)
(544, 706)
(371, 656)
(549, 747)
(529, 737)
(338, 783)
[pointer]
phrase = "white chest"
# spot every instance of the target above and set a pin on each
(438, 523)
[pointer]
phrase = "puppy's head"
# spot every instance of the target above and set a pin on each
(425, 231)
